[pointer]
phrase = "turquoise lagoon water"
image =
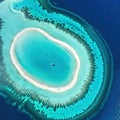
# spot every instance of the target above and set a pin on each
(44, 60)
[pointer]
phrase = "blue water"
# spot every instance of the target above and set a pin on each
(44, 60)
(104, 16)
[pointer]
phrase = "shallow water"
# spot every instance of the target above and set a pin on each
(45, 61)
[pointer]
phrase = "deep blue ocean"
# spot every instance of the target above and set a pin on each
(104, 15)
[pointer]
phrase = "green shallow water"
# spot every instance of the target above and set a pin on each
(87, 95)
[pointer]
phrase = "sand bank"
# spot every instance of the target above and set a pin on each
(35, 82)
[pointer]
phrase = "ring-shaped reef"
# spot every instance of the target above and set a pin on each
(66, 45)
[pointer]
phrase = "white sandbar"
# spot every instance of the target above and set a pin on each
(35, 82)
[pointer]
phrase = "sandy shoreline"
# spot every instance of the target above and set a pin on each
(35, 82)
